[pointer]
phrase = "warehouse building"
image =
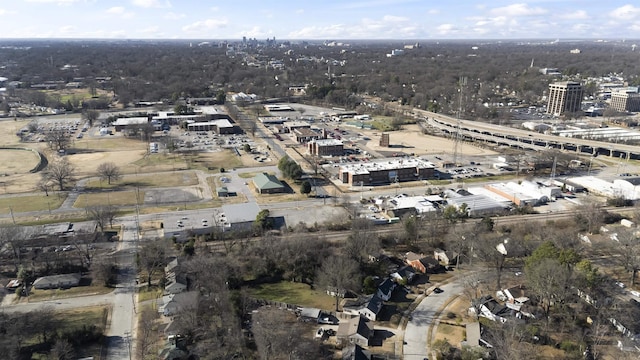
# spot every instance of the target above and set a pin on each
(386, 171)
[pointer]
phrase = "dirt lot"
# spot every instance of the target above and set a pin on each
(411, 140)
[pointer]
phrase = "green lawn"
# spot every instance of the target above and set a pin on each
(293, 293)
(30, 203)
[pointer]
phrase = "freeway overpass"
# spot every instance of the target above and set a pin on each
(523, 139)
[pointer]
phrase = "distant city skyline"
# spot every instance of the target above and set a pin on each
(319, 20)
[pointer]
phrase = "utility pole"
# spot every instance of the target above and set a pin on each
(462, 82)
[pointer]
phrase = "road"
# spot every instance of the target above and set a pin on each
(416, 335)
(123, 316)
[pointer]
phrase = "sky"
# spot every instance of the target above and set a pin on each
(320, 19)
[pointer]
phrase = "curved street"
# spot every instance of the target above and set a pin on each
(424, 318)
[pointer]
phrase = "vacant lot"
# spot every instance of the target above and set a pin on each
(169, 179)
(293, 293)
(27, 203)
(17, 161)
(411, 140)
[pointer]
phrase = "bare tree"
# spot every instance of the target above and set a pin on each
(590, 216)
(60, 172)
(278, 336)
(109, 171)
(550, 281)
(103, 215)
(12, 237)
(146, 332)
(151, 258)
(337, 275)
(629, 251)
(363, 241)
(90, 116)
(58, 139)
(63, 350)
(45, 185)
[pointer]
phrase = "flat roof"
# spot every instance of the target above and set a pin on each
(221, 123)
(131, 121)
(240, 213)
(387, 164)
(328, 142)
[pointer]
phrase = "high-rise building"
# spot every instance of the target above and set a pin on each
(564, 97)
(626, 100)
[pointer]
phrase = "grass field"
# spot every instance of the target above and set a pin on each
(293, 293)
(30, 203)
(39, 295)
(117, 198)
(169, 179)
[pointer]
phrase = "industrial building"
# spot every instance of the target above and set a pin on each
(386, 171)
(476, 204)
(268, 184)
(326, 147)
(220, 126)
(564, 97)
(525, 193)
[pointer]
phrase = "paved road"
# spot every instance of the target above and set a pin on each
(122, 327)
(416, 332)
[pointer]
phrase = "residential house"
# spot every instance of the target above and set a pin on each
(423, 264)
(404, 275)
(57, 281)
(176, 279)
(355, 331)
(312, 314)
(446, 257)
(355, 352)
(385, 289)
(627, 319)
(489, 308)
(173, 304)
(371, 308)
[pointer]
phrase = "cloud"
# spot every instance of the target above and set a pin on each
(3, 12)
(120, 11)
(433, 12)
(518, 10)
(446, 29)
(374, 3)
(117, 10)
(300, 11)
(174, 16)
(59, 2)
(627, 12)
(152, 3)
(577, 15)
(205, 25)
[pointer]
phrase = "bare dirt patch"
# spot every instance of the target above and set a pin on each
(411, 140)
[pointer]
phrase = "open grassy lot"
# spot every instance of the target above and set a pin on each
(72, 319)
(293, 293)
(40, 295)
(17, 161)
(117, 198)
(168, 179)
(30, 203)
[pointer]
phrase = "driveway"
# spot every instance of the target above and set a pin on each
(416, 332)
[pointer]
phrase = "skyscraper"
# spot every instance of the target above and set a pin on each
(564, 97)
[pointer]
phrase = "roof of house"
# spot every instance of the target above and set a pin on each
(67, 278)
(266, 181)
(356, 325)
(375, 304)
(473, 334)
(310, 313)
(387, 286)
(355, 352)
(406, 271)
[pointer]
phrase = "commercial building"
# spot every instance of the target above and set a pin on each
(267, 184)
(304, 135)
(564, 97)
(220, 126)
(626, 100)
(386, 171)
(326, 147)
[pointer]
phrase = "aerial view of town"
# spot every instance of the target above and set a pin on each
(349, 192)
